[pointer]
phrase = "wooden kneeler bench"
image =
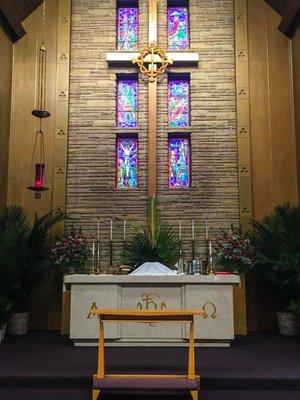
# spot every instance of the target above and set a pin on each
(106, 382)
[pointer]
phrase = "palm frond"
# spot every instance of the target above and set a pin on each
(24, 251)
(15, 215)
(277, 242)
(160, 245)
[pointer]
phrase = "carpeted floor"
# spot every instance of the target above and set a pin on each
(44, 366)
(80, 394)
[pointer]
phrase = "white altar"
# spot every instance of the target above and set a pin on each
(212, 293)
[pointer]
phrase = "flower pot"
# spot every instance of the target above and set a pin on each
(288, 324)
(18, 323)
(2, 331)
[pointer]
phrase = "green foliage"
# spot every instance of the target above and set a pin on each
(277, 245)
(294, 307)
(24, 252)
(5, 309)
(160, 244)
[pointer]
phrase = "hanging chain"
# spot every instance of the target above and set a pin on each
(44, 22)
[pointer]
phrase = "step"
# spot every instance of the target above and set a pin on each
(145, 383)
(79, 394)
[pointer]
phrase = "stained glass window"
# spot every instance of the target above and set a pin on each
(127, 28)
(179, 102)
(178, 28)
(127, 162)
(127, 103)
(179, 162)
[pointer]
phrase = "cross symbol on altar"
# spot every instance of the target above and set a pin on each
(152, 62)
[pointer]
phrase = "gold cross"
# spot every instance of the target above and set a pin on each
(157, 60)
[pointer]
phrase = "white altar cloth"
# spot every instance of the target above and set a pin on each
(153, 269)
(213, 293)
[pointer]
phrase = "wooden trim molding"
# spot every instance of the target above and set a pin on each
(62, 107)
(244, 146)
(243, 113)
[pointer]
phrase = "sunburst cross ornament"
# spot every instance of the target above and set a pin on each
(152, 61)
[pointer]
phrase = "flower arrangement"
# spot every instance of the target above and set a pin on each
(71, 252)
(234, 250)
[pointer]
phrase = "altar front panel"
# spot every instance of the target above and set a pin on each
(146, 297)
(209, 294)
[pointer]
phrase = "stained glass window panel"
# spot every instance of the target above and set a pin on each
(179, 103)
(127, 103)
(127, 162)
(178, 28)
(179, 162)
(127, 28)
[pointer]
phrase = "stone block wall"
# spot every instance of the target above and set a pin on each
(91, 188)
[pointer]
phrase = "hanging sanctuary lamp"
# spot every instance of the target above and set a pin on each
(40, 113)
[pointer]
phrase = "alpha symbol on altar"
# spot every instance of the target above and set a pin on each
(148, 303)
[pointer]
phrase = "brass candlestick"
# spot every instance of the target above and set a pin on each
(95, 257)
(193, 249)
(210, 259)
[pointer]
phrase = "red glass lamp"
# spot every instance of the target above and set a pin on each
(39, 181)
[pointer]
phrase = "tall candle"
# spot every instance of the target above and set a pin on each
(93, 248)
(124, 233)
(180, 229)
(206, 229)
(193, 230)
(98, 229)
(210, 249)
(111, 229)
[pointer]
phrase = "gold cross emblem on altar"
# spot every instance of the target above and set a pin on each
(152, 62)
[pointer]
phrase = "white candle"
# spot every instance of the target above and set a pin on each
(124, 229)
(180, 229)
(111, 229)
(98, 229)
(206, 229)
(93, 249)
(210, 248)
(193, 230)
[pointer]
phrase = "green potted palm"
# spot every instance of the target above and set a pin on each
(294, 308)
(277, 258)
(155, 242)
(24, 258)
(5, 312)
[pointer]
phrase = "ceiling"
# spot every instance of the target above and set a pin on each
(13, 13)
(290, 12)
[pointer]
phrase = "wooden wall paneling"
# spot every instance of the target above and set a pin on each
(5, 109)
(23, 131)
(296, 86)
(272, 134)
(23, 124)
(282, 131)
(262, 184)
(243, 141)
